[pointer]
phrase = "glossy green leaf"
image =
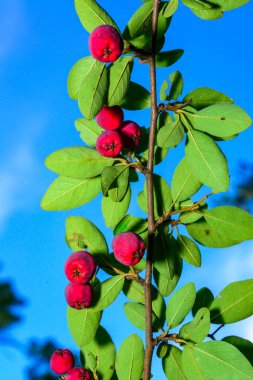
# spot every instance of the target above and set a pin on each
(168, 58)
(164, 283)
(177, 84)
(140, 22)
(220, 120)
(66, 193)
(103, 349)
(184, 182)
(130, 358)
(93, 90)
(204, 298)
(171, 134)
(83, 325)
(136, 98)
(172, 364)
(92, 15)
(191, 216)
(82, 234)
(77, 74)
(191, 366)
(119, 77)
(159, 308)
(227, 5)
(180, 304)
(234, 303)
(77, 162)
(206, 161)
(113, 212)
(204, 10)
(188, 250)
(243, 345)
(163, 91)
(218, 359)
(203, 97)
(166, 255)
(162, 350)
(131, 223)
(197, 330)
(134, 291)
(170, 8)
(89, 131)
(106, 292)
(135, 313)
(114, 181)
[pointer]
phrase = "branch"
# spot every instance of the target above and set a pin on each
(169, 337)
(212, 336)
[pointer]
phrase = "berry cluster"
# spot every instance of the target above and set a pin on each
(118, 134)
(62, 362)
(79, 269)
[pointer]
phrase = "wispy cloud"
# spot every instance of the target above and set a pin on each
(12, 26)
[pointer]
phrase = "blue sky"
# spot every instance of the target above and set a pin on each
(39, 42)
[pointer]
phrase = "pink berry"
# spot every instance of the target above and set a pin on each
(109, 144)
(131, 134)
(61, 361)
(78, 373)
(80, 267)
(128, 248)
(105, 43)
(110, 118)
(78, 296)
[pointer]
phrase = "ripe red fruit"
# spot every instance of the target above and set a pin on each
(80, 267)
(105, 43)
(131, 134)
(128, 248)
(78, 296)
(109, 144)
(110, 118)
(61, 361)
(78, 373)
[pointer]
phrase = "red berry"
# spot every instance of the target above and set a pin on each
(109, 144)
(110, 118)
(78, 373)
(128, 248)
(80, 267)
(105, 43)
(61, 361)
(131, 134)
(78, 296)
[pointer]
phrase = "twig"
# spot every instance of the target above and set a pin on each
(212, 336)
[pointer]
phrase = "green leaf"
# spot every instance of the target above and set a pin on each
(204, 298)
(78, 73)
(243, 345)
(203, 97)
(114, 181)
(227, 5)
(106, 292)
(93, 90)
(164, 283)
(130, 358)
(92, 15)
(220, 120)
(140, 22)
(206, 161)
(198, 329)
(103, 349)
(119, 77)
(162, 350)
(136, 98)
(191, 366)
(188, 250)
(134, 291)
(170, 8)
(77, 162)
(89, 131)
(168, 58)
(83, 325)
(113, 212)
(66, 193)
(135, 313)
(172, 364)
(131, 223)
(159, 308)
(234, 303)
(163, 89)
(81, 233)
(177, 85)
(218, 360)
(184, 183)
(166, 255)
(180, 304)
(204, 10)
(171, 134)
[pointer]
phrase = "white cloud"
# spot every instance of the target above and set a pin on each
(12, 26)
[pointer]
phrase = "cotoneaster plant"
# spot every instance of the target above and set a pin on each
(148, 252)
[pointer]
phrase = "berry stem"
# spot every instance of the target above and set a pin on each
(150, 194)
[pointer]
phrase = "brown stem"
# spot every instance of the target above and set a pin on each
(169, 337)
(150, 193)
